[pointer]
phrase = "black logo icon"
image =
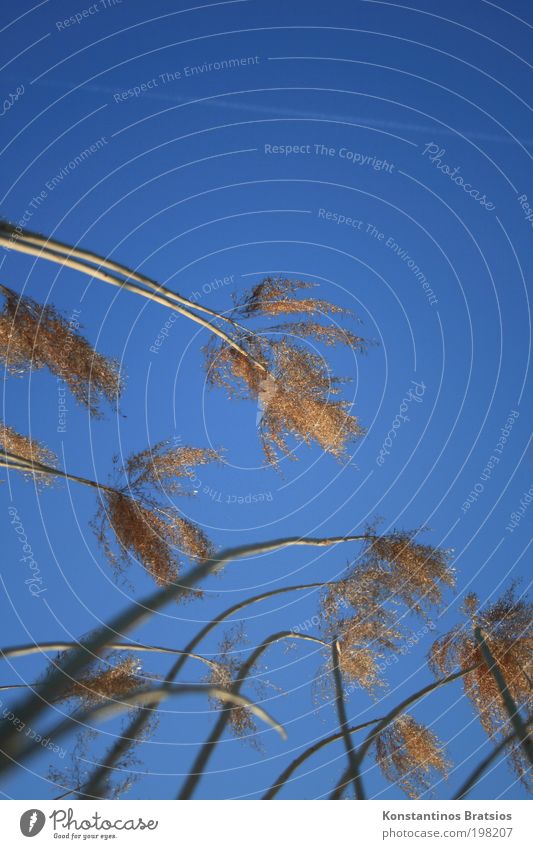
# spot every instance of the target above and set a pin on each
(32, 822)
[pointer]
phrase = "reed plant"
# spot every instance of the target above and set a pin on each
(254, 350)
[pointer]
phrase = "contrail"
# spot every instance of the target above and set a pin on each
(273, 111)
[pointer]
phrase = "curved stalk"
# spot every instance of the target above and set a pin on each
(473, 778)
(511, 707)
(142, 699)
(8, 460)
(341, 708)
(34, 648)
(134, 615)
(63, 249)
(67, 261)
(347, 776)
(68, 792)
(207, 749)
(282, 779)
(137, 724)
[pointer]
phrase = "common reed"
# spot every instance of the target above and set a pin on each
(106, 679)
(33, 336)
(130, 524)
(407, 753)
(363, 614)
(506, 625)
(366, 609)
(223, 674)
(296, 396)
(296, 390)
(26, 450)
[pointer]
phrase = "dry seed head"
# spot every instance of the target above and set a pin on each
(328, 335)
(294, 396)
(235, 372)
(407, 752)
(149, 535)
(420, 571)
(222, 674)
(34, 336)
(364, 638)
(303, 408)
(28, 449)
(275, 296)
(507, 627)
(361, 609)
(108, 681)
(167, 466)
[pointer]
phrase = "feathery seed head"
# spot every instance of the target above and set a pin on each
(361, 608)
(222, 674)
(29, 449)
(167, 466)
(34, 336)
(108, 680)
(507, 626)
(145, 533)
(407, 752)
(276, 296)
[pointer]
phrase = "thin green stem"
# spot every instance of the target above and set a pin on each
(385, 722)
(142, 699)
(341, 710)
(34, 648)
(93, 272)
(511, 707)
(203, 756)
(135, 614)
(474, 777)
(282, 779)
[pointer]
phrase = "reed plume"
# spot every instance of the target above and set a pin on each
(223, 673)
(508, 632)
(407, 753)
(296, 396)
(329, 335)
(242, 359)
(111, 679)
(146, 533)
(130, 523)
(362, 609)
(28, 451)
(74, 775)
(144, 530)
(33, 336)
(277, 296)
(167, 466)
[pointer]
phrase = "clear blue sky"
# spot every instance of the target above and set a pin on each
(182, 185)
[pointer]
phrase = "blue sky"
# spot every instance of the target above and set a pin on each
(190, 181)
